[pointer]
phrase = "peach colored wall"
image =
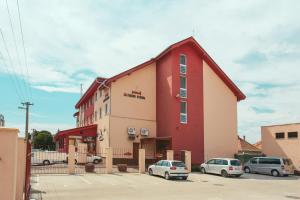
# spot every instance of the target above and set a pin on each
(21, 164)
(132, 112)
(102, 123)
(119, 137)
(289, 148)
(220, 117)
(143, 80)
(8, 163)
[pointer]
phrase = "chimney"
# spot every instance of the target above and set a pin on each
(244, 137)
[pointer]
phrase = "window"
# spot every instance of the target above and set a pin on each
(100, 113)
(211, 162)
(219, 162)
(182, 64)
(95, 115)
(292, 134)
(159, 163)
(165, 164)
(235, 163)
(269, 161)
(279, 135)
(183, 86)
(178, 164)
(224, 162)
(100, 93)
(106, 109)
(96, 96)
(183, 112)
(254, 161)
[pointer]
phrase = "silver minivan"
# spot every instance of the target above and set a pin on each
(274, 166)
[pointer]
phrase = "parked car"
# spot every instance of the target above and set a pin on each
(223, 166)
(169, 169)
(274, 166)
(89, 159)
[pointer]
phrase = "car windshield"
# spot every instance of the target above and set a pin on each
(235, 163)
(287, 161)
(178, 164)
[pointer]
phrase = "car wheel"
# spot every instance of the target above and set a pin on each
(167, 176)
(96, 161)
(46, 162)
(247, 170)
(150, 172)
(275, 173)
(203, 171)
(224, 173)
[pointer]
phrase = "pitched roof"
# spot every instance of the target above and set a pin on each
(243, 145)
(190, 40)
(258, 144)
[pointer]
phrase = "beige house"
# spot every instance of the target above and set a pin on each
(282, 140)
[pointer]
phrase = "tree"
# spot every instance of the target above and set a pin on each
(42, 140)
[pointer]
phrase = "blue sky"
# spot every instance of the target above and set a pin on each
(256, 42)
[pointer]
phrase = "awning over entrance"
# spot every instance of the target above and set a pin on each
(85, 131)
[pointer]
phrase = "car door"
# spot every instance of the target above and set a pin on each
(210, 166)
(164, 168)
(156, 168)
(253, 164)
(218, 166)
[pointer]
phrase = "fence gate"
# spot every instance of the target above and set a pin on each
(45, 160)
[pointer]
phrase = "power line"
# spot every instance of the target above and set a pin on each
(16, 49)
(11, 65)
(24, 49)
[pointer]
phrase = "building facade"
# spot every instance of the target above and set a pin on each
(282, 141)
(179, 100)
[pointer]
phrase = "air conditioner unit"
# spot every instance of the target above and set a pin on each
(144, 132)
(131, 131)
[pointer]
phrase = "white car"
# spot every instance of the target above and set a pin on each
(169, 169)
(223, 166)
(89, 159)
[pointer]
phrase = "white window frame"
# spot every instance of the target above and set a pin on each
(182, 65)
(184, 114)
(183, 89)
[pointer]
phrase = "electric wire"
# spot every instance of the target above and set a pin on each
(23, 84)
(24, 49)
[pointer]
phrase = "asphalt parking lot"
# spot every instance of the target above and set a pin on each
(135, 186)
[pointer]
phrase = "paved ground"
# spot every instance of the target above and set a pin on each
(134, 186)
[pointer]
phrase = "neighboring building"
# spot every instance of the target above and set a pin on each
(179, 100)
(282, 140)
(2, 121)
(245, 147)
(258, 144)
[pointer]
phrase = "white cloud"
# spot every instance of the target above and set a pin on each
(108, 37)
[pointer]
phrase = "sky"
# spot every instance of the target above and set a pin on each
(255, 42)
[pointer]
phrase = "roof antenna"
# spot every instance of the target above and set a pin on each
(81, 89)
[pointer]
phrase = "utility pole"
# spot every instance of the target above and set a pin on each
(26, 108)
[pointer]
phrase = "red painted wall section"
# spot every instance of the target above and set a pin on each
(188, 136)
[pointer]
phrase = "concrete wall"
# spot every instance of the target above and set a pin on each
(288, 148)
(8, 163)
(220, 117)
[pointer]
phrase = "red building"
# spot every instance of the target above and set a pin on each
(181, 97)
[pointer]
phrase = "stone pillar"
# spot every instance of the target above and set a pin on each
(71, 159)
(170, 155)
(188, 160)
(142, 161)
(8, 163)
(82, 153)
(109, 160)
